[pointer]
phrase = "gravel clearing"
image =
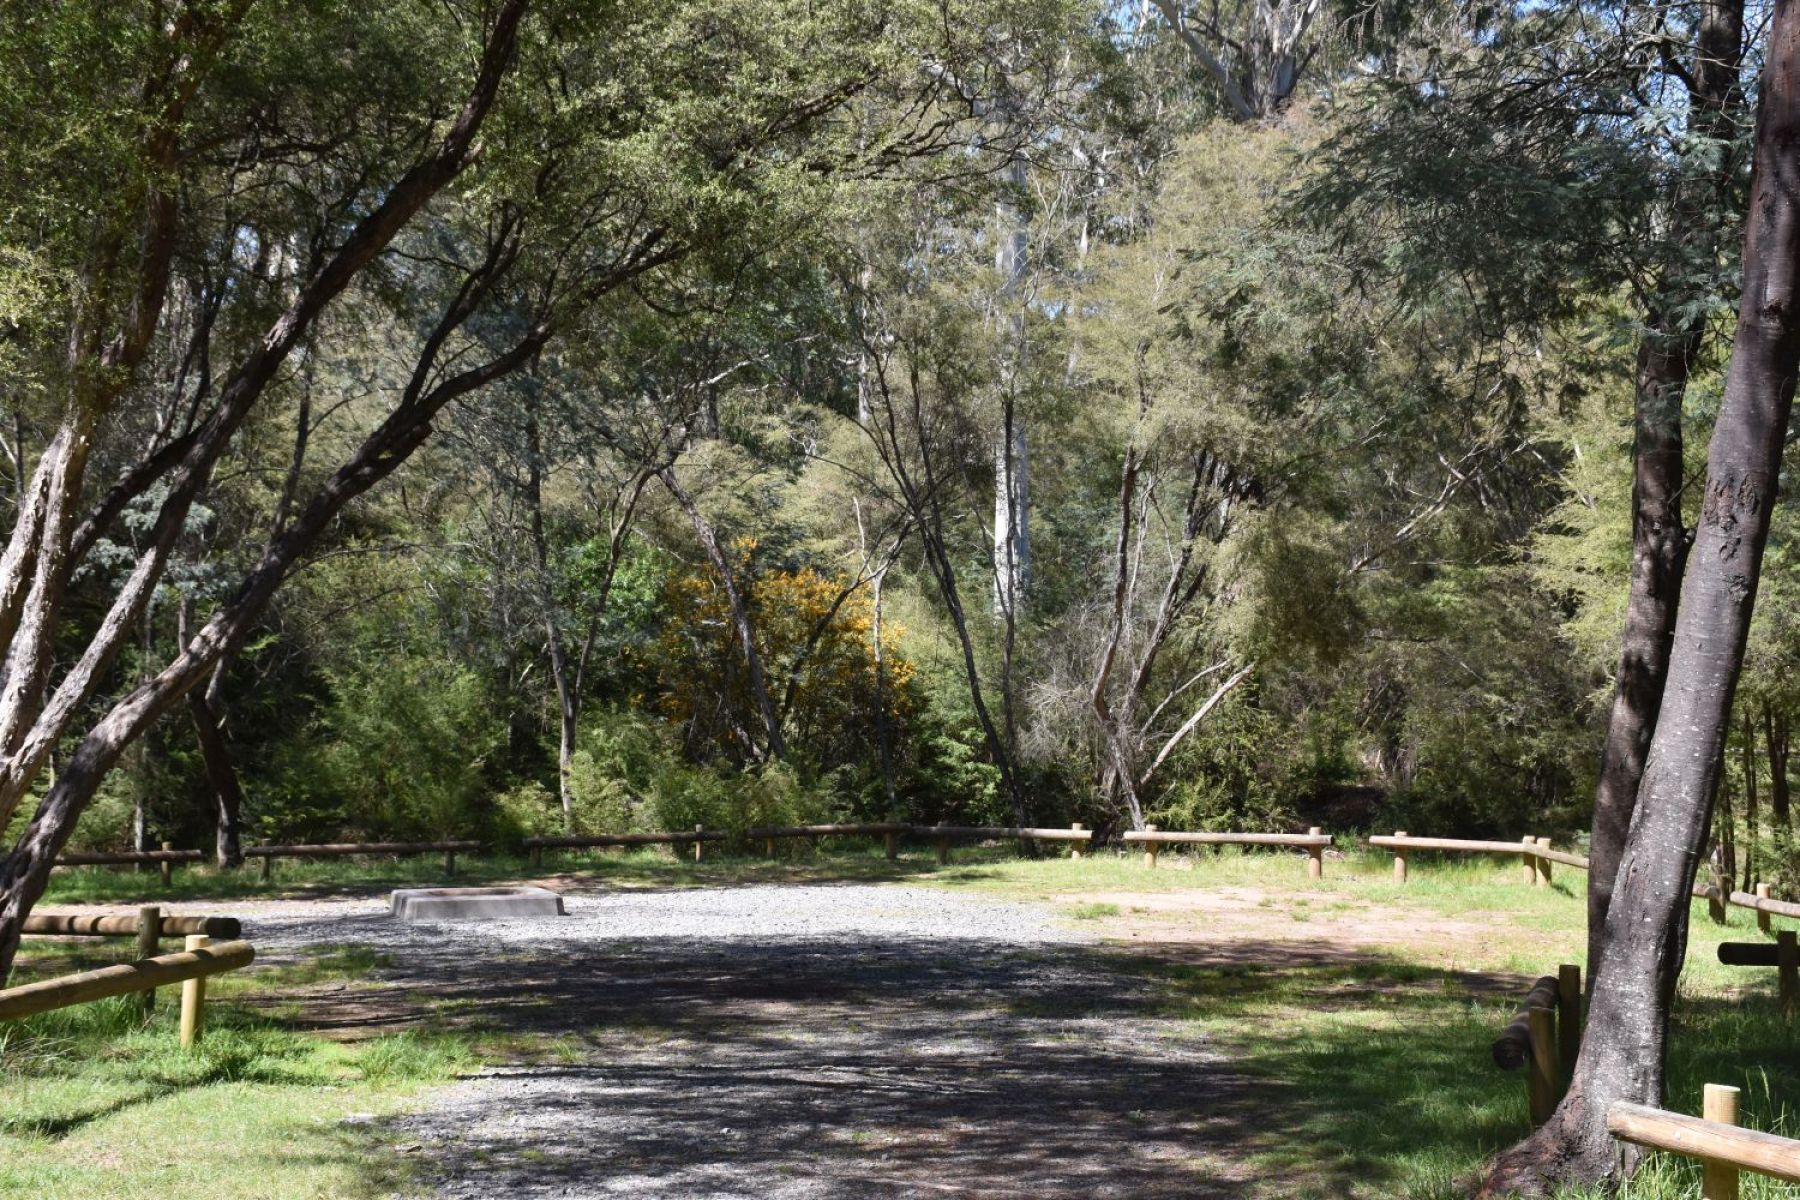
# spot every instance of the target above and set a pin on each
(791, 1042)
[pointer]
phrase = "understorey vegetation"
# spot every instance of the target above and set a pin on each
(511, 417)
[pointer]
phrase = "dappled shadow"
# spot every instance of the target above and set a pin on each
(808, 1067)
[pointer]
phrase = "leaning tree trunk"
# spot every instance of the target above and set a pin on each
(1622, 1055)
(1666, 352)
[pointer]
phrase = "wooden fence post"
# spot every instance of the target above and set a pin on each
(1528, 862)
(537, 856)
(1762, 918)
(193, 998)
(1075, 846)
(1720, 1180)
(893, 845)
(769, 847)
(268, 867)
(449, 862)
(1541, 1072)
(1399, 858)
(1716, 899)
(168, 868)
(943, 846)
(1568, 1017)
(1787, 961)
(149, 932)
(1315, 857)
(1151, 848)
(1543, 864)
(698, 830)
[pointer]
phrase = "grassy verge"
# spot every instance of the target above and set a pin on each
(1372, 1059)
(99, 1102)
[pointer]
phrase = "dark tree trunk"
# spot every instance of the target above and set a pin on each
(1775, 731)
(1671, 339)
(1622, 1056)
(221, 779)
(1752, 818)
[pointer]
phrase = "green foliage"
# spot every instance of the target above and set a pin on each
(408, 748)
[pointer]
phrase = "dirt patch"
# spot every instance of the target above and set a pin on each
(1228, 917)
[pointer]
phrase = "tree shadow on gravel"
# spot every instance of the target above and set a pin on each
(809, 1067)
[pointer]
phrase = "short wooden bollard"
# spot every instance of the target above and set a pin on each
(1151, 848)
(1762, 918)
(769, 847)
(1399, 858)
(943, 847)
(1568, 1017)
(1075, 846)
(892, 841)
(449, 862)
(1540, 1078)
(1715, 899)
(268, 867)
(168, 868)
(1315, 857)
(1528, 863)
(193, 998)
(1787, 961)
(1543, 864)
(1719, 1181)
(698, 830)
(149, 933)
(537, 856)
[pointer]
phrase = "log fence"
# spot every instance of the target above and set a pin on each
(1715, 1138)
(449, 849)
(1536, 854)
(1544, 1036)
(66, 926)
(190, 967)
(1783, 954)
(942, 835)
(1314, 841)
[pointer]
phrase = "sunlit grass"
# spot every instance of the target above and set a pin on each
(1373, 1065)
(96, 1101)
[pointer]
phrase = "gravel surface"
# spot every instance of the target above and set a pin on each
(790, 1042)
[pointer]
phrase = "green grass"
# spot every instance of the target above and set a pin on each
(1373, 1066)
(99, 1102)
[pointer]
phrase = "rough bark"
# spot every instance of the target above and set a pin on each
(1623, 1053)
(1671, 340)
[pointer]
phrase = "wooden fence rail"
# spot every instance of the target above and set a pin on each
(1715, 1139)
(449, 849)
(943, 835)
(187, 967)
(1545, 1036)
(1314, 841)
(1535, 853)
(121, 858)
(61, 925)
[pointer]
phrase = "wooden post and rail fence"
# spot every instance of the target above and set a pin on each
(190, 967)
(1724, 1150)
(1537, 856)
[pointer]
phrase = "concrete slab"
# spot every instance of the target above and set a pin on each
(474, 904)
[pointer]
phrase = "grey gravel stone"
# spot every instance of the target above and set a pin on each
(799, 1042)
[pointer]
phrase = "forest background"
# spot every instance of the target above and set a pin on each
(1222, 419)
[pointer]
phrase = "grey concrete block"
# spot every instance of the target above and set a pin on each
(475, 904)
